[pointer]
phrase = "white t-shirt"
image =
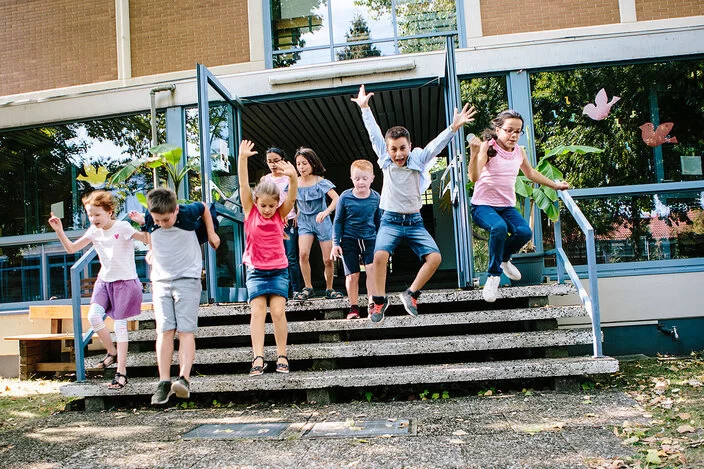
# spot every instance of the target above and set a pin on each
(176, 254)
(115, 249)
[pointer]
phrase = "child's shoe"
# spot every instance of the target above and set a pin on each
(354, 312)
(410, 301)
(181, 387)
(376, 313)
(491, 288)
(511, 271)
(162, 394)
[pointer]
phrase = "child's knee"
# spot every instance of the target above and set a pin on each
(434, 258)
(95, 317)
(305, 256)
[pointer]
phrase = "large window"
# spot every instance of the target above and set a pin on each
(319, 31)
(49, 169)
(652, 134)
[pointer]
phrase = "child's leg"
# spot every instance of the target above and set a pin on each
(352, 285)
(370, 272)
(305, 242)
(186, 353)
(95, 318)
(256, 324)
(291, 245)
(326, 248)
(165, 353)
(487, 217)
(519, 229)
(431, 262)
(277, 307)
(122, 342)
(381, 259)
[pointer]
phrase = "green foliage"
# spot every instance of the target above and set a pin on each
(368, 396)
(359, 31)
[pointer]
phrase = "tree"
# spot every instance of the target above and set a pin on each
(359, 31)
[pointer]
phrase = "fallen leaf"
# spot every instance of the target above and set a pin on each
(459, 433)
(684, 416)
(686, 429)
(652, 457)
(631, 440)
(695, 383)
(457, 441)
(488, 393)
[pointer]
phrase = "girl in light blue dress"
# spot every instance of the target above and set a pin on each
(314, 219)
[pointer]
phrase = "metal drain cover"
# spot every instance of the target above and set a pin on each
(361, 429)
(229, 431)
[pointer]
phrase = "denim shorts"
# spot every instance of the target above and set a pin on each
(355, 251)
(176, 304)
(396, 227)
(308, 226)
(266, 282)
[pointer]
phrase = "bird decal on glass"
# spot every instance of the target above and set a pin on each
(602, 106)
(654, 137)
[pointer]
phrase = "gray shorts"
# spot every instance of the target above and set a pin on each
(176, 304)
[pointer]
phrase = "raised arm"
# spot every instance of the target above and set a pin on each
(375, 135)
(70, 246)
(477, 158)
(246, 150)
(290, 171)
(539, 178)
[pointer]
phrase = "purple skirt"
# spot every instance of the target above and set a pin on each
(121, 299)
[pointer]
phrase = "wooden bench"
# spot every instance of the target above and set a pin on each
(53, 352)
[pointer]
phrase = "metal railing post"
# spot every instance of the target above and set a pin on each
(557, 229)
(78, 320)
(594, 293)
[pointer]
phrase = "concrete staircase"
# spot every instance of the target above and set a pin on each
(457, 338)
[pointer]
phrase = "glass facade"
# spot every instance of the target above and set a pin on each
(652, 134)
(48, 170)
(318, 31)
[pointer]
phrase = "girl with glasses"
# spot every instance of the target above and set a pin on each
(493, 166)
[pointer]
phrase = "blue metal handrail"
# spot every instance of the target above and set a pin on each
(79, 340)
(589, 300)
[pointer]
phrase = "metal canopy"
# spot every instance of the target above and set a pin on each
(332, 125)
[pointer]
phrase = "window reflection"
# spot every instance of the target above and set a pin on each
(301, 27)
(636, 228)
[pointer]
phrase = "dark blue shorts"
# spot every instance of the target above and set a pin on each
(356, 251)
(266, 282)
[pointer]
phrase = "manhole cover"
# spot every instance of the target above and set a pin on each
(361, 429)
(229, 431)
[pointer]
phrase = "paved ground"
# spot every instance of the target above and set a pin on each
(543, 430)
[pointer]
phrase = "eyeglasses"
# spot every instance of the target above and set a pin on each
(511, 131)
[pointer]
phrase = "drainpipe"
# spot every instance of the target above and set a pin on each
(152, 95)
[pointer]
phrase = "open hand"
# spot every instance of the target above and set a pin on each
(55, 223)
(463, 117)
(136, 217)
(287, 168)
(247, 148)
(320, 217)
(336, 252)
(362, 98)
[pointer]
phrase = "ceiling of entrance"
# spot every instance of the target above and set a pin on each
(332, 125)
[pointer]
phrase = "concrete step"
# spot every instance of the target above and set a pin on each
(388, 347)
(429, 297)
(429, 319)
(365, 377)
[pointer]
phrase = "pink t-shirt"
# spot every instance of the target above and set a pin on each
(282, 183)
(497, 182)
(264, 240)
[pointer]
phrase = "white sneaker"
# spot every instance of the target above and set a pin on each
(510, 270)
(491, 287)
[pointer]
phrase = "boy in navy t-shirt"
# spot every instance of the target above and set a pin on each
(354, 231)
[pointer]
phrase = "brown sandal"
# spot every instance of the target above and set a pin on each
(119, 382)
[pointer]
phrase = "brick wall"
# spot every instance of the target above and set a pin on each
(658, 10)
(54, 43)
(172, 35)
(519, 16)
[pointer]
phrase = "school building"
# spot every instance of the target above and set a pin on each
(79, 79)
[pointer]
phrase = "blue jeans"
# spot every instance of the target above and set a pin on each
(499, 222)
(396, 227)
(294, 269)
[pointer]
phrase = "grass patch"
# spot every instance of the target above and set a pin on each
(26, 400)
(671, 392)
